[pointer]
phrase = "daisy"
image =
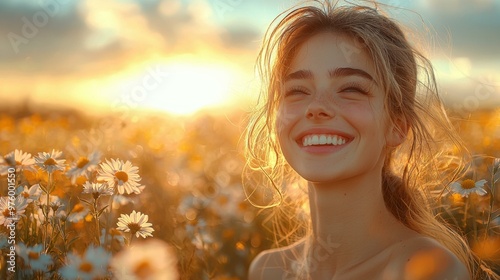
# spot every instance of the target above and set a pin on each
(33, 257)
(152, 259)
(19, 159)
(8, 215)
(56, 205)
(54, 209)
(227, 203)
(97, 189)
(58, 214)
(30, 194)
(200, 236)
(120, 175)
(468, 186)
(50, 162)
(92, 265)
(84, 166)
(52, 199)
(135, 223)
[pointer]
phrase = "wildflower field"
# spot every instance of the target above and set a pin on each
(153, 196)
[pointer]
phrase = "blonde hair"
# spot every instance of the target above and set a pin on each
(408, 79)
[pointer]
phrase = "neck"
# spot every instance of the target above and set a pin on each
(350, 221)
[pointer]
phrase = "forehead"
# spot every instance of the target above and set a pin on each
(326, 51)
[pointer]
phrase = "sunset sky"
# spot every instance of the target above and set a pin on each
(180, 55)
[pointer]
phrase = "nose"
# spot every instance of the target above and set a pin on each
(319, 109)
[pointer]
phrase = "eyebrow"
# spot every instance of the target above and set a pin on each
(334, 73)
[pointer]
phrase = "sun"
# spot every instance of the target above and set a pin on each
(189, 87)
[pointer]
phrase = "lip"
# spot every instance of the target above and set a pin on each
(325, 148)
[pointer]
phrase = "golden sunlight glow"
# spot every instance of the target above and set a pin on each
(190, 87)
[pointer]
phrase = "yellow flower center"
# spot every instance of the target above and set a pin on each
(89, 217)
(134, 227)
(78, 208)
(50, 161)
(82, 162)
(143, 269)
(122, 176)
(223, 200)
(25, 194)
(33, 255)
(242, 206)
(86, 267)
(468, 184)
(6, 212)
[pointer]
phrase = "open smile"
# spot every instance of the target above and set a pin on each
(320, 140)
(323, 139)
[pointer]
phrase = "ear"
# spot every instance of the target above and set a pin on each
(397, 132)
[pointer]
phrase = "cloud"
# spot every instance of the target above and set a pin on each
(97, 35)
(84, 48)
(471, 26)
(87, 45)
(34, 38)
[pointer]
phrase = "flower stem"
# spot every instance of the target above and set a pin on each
(46, 212)
(467, 199)
(109, 218)
(492, 199)
(474, 223)
(131, 238)
(96, 218)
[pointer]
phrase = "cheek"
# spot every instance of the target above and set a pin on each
(367, 118)
(286, 117)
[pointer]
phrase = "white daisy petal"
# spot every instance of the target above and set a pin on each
(135, 223)
(121, 176)
(151, 259)
(481, 191)
(50, 162)
(480, 184)
(468, 186)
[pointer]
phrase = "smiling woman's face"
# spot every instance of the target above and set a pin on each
(331, 121)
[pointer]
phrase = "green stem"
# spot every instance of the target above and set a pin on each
(96, 217)
(492, 200)
(46, 212)
(131, 238)
(467, 199)
(110, 216)
(474, 223)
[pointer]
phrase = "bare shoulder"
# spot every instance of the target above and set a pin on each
(425, 258)
(273, 264)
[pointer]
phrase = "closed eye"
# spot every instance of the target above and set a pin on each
(296, 91)
(354, 88)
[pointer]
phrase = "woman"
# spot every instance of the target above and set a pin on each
(346, 112)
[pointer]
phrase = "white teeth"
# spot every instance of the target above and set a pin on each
(322, 139)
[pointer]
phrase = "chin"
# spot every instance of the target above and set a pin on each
(320, 177)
